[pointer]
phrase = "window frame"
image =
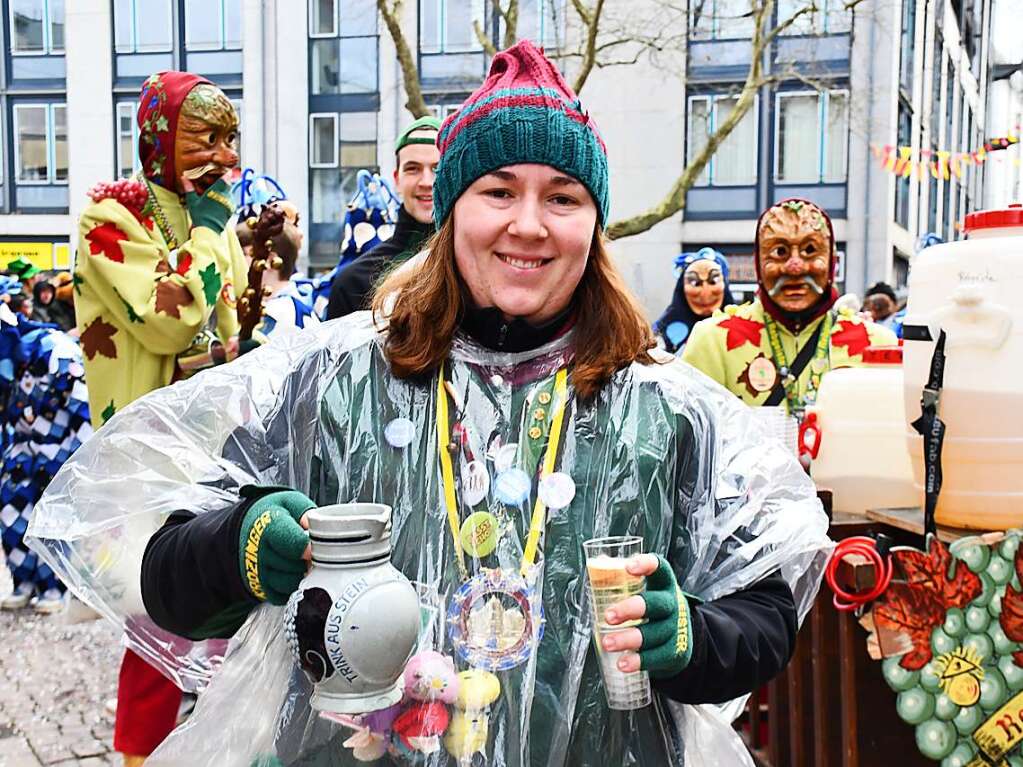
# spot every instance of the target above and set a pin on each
(710, 168)
(825, 12)
(334, 28)
(442, 32)
(48, 49)
(336, 143)
(715, 33)
(50, 139)
(205, 47)
(823, 112)
(128, 107)
(133, 43)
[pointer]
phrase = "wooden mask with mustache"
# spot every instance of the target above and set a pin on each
(205, 145)
(795, 255)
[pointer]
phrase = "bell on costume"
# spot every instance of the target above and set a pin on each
(350, 649)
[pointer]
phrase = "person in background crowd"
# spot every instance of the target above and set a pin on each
(43, 294)
(701, 290)
(21, 304)
(45, 420)
(25, 271)
(285, 310)
(62, 310)
(778, 347)
(156, 260)
(881, 303)
(416, 158)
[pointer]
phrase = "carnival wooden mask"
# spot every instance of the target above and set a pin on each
(205, 146)
(704, 286)
(794, 254)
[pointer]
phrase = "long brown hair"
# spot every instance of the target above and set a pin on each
(422, 305)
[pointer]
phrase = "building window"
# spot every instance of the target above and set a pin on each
(830, 18)
(446, 26)
(721, 20)
(803, 152)
(907, 45)
(904, 138)
(127, 140)
(343, 48)
(543, 22)
(323, 141)
(37, 27)
(213, 25)
(951, 145)
(143, 26)
(40, 143)
(735, 161)
(340, 145)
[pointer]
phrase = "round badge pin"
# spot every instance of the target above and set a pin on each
(399, 433)
(762, 374)
(504, 458)
(475, 482)
(512, 486)
(557, 490)
(479, 534)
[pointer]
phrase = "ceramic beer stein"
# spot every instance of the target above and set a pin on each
(354, 620)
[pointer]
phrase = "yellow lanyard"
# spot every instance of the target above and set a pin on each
(539, 518)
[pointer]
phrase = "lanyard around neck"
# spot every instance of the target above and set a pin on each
(539, 517)
(781, 359)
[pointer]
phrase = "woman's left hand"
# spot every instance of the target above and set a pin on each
(664, 644)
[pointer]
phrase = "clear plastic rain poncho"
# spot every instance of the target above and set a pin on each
(661, 452)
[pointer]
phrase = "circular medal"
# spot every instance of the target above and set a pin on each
(399, 432)
(557, 490)
(475, 482)
(504, 458)
(512, 487)
(493, 618)
(762, 374)
(479, 534)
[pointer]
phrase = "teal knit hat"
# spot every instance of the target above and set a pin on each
(523, 113)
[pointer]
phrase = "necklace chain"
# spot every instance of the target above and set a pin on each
(790, 383)
(160, 216)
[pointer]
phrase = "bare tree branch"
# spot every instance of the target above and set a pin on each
(675, 199)
(391, 14)
(511, 22)
(590, 48)
(484, 38)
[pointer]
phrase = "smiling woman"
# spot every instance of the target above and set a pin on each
(506, 408)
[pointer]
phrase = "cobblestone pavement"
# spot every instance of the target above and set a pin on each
(54, 681)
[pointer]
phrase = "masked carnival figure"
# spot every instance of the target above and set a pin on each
(777, 348)
(158, 266)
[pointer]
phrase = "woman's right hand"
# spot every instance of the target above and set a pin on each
(273, 545)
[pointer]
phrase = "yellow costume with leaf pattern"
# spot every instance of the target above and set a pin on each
(723, 346)
(139, 305)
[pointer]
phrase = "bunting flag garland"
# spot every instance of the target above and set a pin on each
(905, 161)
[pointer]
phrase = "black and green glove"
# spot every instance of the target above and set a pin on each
(213, 208)
(271, 543)
(668, 633)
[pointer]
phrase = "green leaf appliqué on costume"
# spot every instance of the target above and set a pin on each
(210, 283)
(130, 310)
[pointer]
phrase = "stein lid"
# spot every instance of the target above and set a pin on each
(350, 533)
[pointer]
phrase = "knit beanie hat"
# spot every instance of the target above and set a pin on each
(523, 113)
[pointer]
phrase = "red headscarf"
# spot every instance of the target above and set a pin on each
(797, 321)
(159, 107)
